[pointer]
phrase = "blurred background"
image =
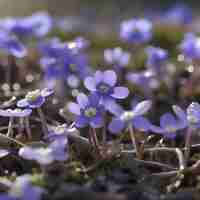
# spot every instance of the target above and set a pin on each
(102, 8)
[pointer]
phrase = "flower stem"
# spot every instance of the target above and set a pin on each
(134, 141)
(187, 144)
(21, 125)
(43, 121)
(94, 139)
(10, 127)
(28, 129)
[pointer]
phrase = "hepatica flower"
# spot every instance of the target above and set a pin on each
(22, 189)
(88, 111)
(169, 124)
(15, 112)
(179, 14)
(58, 132)
(11, 45)
(190, 46)
(35, 99)
(38, 25)
(145, 79)
(117, 57)
(136, 31)
(55, 151)
(134, 117)
(155, 58)
(190, 117)
(104, 85)
(63, 60)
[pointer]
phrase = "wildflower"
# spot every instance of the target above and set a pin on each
(35, 99)
(38, 25)
(155, 57)
(145, 79)
(117, 57)
(103, 84)
(133, 117)
(55, 151)
(190, 117)
(15, 112)
(57, 132)
(11, 45)
(169, 126)
(23, 189)
(88, 111)
(190, 46)
(63, 61)
(136, 31)
(178, 14)
(12, 113)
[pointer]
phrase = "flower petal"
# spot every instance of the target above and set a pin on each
(156, 129)
(113, 107)
(142, 107)
(90, 84)
(141, 124)
(94, 99)
(167, 120)
(97, 122)
(82, 100)
(74, 108)
(22, 103)
(116, 125)
(120, 92)
(98, 76)
(110, 77)
(81, 122)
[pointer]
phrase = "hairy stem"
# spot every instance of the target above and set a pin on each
(134, 141)
(10, 127)
(188, 144)
(28, 129)
(43, 121)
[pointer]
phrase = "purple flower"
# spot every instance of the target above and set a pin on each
(11, 45)
(23, 189)
(88, 111)
(190, 46)
(155, 57)
(63, 61)
(39, 24)
(15, 112)
(58, 132)
(117, 57)
(145, 79)
(169, 124)
(35, 99)
(179, 14)
(190, 117)
(103, 84)
(136, 31)
(134, 116)
(55, 151)
(78, 44)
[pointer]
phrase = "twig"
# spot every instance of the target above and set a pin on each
(11, 139)
(155, 164)
(159, 149)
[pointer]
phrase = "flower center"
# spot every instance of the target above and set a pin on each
(192, 119)
(72, 67)
(104, 88)
(90, 112)
(171, 129)
(60, 129)
(127, 116)
(33, 96)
